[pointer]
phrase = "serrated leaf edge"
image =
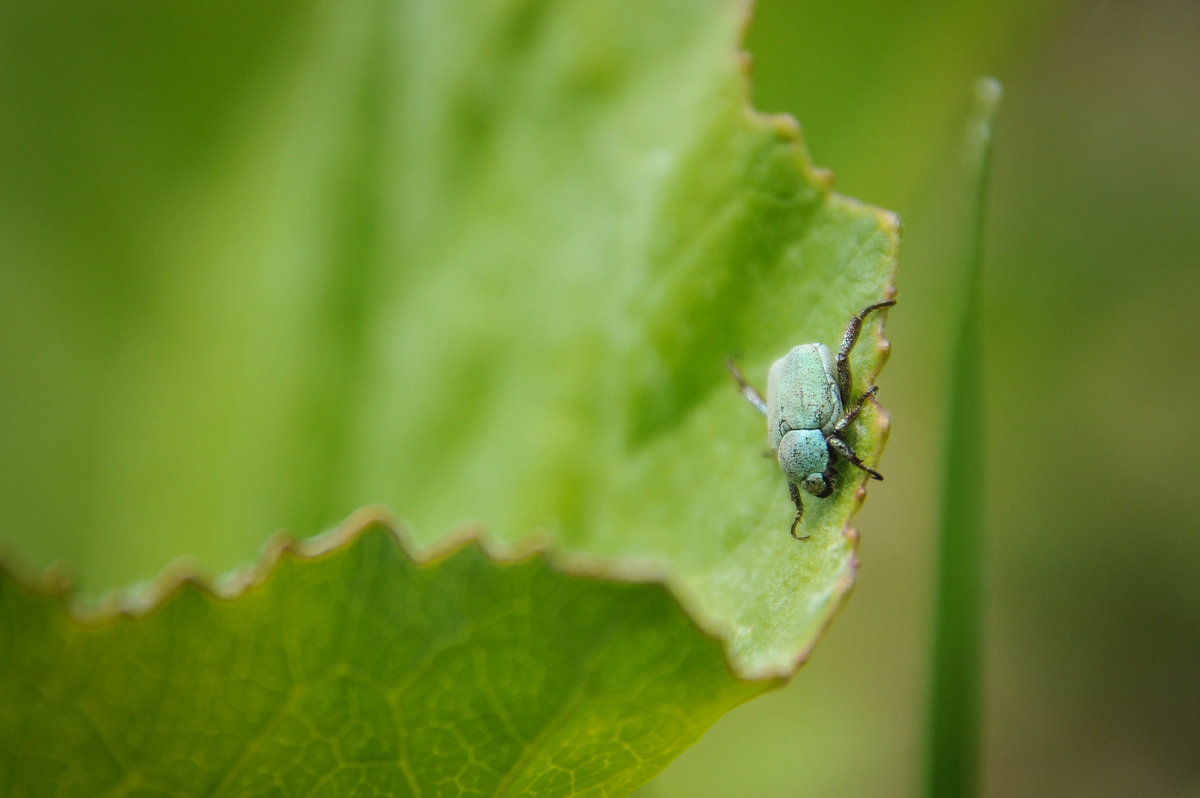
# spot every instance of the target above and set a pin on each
(54, 582)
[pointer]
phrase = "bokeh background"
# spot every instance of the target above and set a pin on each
(1092, 330)
(1091, 291)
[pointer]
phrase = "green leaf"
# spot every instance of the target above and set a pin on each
(477, 262)
(348, 669)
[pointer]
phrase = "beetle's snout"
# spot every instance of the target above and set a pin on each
(817, 485)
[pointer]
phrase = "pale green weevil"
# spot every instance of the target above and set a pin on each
(807, 390)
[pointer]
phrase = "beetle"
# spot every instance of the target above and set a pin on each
(807, 392)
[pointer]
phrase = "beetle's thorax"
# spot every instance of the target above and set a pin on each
(802, 393)
(803, 454)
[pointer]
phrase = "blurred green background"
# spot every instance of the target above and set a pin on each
(1092, 328)
(1093, 243)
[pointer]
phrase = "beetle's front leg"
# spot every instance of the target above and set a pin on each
(849, 339)
(749, 391)
(843, 449)
(799, 509)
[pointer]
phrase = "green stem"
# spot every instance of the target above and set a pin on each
(954, 722)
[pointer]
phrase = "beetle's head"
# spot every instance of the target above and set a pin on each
(804, 458)
(819, 485)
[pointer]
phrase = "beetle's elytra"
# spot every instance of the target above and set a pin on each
(807, 391)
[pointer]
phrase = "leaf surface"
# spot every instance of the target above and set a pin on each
(344, 667)
(482, 263)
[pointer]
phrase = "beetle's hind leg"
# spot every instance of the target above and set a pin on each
(849, 339)
(799, 509)
(747, 390)
(843, 450)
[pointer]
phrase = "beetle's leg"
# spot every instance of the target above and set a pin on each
(843, 449)
(799, 509)
(849, 339)
(845, 420)
(748, 390)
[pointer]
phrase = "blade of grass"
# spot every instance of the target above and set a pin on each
(953, 756)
